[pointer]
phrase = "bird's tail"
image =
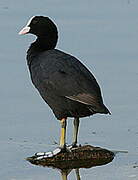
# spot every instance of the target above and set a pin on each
(106, 110)
(102, 109)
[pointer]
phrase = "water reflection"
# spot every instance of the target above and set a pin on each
(81, 157)
(65, 173)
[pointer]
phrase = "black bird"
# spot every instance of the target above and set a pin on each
(64, 83)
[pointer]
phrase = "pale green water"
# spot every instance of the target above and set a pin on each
(102, 34)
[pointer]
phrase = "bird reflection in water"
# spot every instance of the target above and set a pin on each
(65, 173)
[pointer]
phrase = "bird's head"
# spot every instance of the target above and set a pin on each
(40, 26)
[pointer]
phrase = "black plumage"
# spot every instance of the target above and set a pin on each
(65, 84)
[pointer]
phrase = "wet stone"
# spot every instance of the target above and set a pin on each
(85, 156)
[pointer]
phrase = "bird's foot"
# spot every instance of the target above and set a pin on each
(41, 155)
(64, 149)
(73, 146)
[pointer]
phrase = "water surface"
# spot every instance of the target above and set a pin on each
(104, 36)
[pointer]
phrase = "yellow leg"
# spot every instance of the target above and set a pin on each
(64, 176)
(75, 131)
(65, 173)
(63, 133)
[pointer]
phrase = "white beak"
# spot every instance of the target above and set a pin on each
(25, 30)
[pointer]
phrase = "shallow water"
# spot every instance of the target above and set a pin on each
(102, 34)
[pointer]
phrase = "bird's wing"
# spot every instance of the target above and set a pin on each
(84, 98)
(68, 77)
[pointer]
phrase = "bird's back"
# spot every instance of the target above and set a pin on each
(60, 74)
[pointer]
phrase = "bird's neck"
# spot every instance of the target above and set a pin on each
(44, 43)
(41, 44)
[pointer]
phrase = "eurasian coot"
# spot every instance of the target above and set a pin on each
(64, 83)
